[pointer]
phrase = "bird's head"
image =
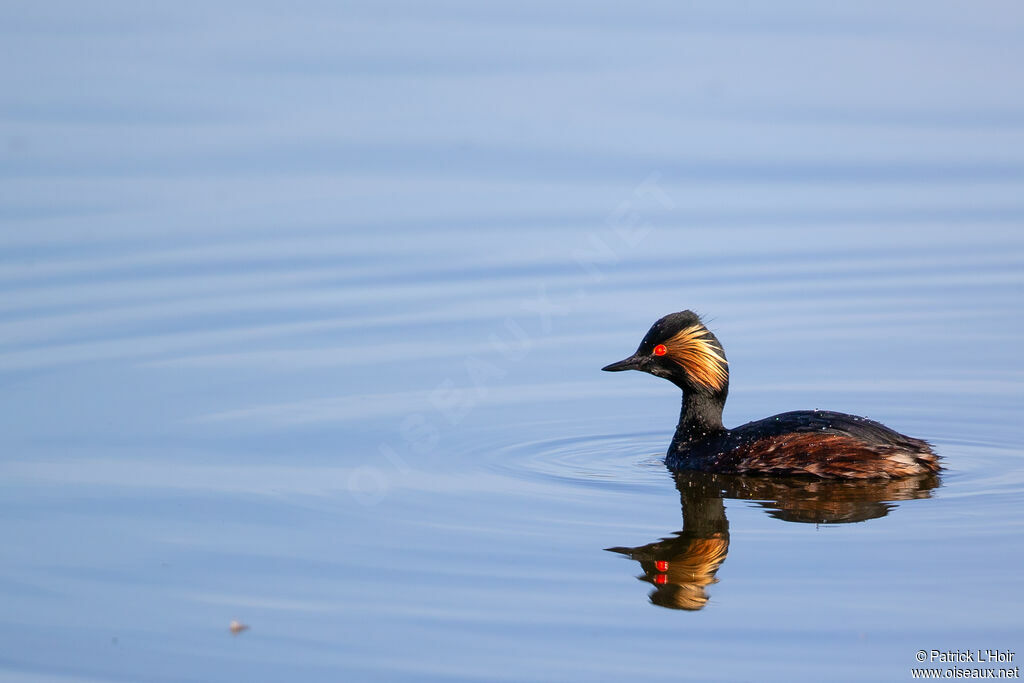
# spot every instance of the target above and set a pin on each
(682, 350)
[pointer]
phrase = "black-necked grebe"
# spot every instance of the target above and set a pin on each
(810, 442)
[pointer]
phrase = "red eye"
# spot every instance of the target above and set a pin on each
(660, 350)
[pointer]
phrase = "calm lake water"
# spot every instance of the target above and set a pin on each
(304, 308)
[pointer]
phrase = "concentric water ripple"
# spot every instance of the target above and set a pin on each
(976, 468)
(610, 461)
(636, 461)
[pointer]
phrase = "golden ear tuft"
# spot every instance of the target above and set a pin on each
(695, 351)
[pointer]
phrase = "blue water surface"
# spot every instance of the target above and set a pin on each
(303, 309)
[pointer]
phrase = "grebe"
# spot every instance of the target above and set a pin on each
(804, 442)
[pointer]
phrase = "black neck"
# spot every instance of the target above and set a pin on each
(703, 516)
(701, 416)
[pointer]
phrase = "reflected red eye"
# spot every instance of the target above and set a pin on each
(660, 350)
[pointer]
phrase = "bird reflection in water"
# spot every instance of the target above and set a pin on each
(681, 566)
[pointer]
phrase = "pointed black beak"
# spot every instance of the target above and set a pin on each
(631, 363)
